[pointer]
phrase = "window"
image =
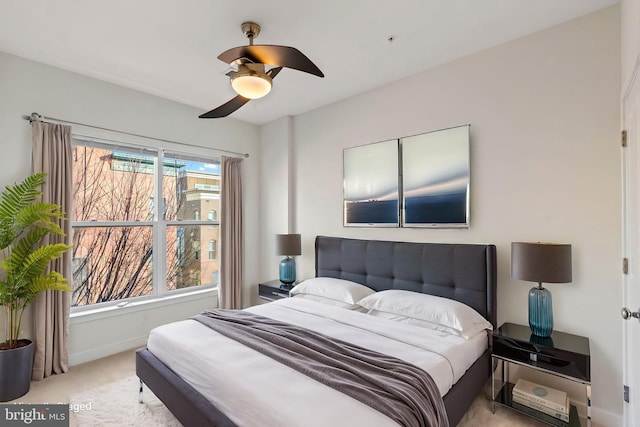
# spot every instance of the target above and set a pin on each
(196, 248)
(212, 216)
(212, 249)
(152, 207)
(119, 230)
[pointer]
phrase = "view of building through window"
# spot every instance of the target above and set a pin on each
(116, 221)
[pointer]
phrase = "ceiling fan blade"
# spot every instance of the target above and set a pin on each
(281, 56)
(225, 109)
(274, 72)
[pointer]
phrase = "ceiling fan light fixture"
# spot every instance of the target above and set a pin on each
(250, 83)
(251, 80)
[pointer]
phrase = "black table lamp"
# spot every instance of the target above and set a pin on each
(288, 245)
(541, 262)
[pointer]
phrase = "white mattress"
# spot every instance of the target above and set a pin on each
(254, 390)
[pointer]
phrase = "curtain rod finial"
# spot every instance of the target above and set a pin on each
(35, 117)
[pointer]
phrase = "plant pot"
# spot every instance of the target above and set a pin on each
(15, 371)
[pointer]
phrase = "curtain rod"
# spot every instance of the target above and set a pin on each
(35, 117)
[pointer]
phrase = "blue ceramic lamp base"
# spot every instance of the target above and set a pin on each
(288, 271)
(540, 311)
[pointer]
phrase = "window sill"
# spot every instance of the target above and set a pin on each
(137, 306)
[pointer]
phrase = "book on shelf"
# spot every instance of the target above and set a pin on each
(548, 419)
(543, 395)
(541, 408)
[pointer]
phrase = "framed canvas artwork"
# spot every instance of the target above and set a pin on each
(415, 181)
(371, 192)
(435, 178)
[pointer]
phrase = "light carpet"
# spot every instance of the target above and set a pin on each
(116, 404)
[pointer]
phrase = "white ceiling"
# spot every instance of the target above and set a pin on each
(169, 48)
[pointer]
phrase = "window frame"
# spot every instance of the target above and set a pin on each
(158, 223)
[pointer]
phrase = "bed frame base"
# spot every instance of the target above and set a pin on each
(459, 399)
(184, 402)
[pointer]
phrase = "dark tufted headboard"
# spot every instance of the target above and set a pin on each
(463, 272)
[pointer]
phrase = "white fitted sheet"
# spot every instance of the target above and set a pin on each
(254, 390)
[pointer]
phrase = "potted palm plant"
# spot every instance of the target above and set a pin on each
(24, 222)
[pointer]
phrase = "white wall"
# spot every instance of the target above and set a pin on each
(276, 191)
(26, 86)
(545, 158)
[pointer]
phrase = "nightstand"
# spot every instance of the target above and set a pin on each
(273, 290)
(563, 355)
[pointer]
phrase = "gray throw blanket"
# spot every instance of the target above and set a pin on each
(399, 390)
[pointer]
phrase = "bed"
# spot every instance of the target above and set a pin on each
(459, 272)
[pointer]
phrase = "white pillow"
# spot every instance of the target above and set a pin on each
(442, 314)
(332, 291)
(333, 302)
(413, 321)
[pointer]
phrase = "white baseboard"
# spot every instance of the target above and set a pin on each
(599, 417)
(603, 418)
(107, 350)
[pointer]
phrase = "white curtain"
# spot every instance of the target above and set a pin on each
(52, 154)
(231, 231)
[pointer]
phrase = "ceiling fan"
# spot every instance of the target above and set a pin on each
(250, 80)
